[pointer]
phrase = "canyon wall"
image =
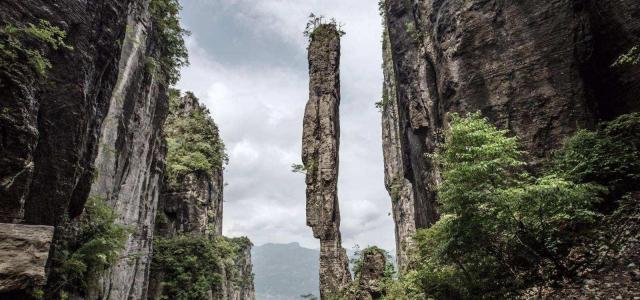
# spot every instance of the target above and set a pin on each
(191, 201)
(90, 128)
(130, 159)
(541, 70)
(320, 149)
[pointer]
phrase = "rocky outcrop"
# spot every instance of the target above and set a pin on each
(238, 280)
(320, 145)
(191, 201)
(371, 275)
(541, 70)
(23, 254)
(192, 204)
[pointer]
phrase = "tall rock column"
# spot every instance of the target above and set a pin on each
(320, 144)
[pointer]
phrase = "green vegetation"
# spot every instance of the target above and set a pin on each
(608, 156)
(24, 48)
(298, 168)
(358, 260)
(191, 265)
(382, 104)
(631, 57)
(193, 140)
(170, 37)
(503, 230)
(318, 27)
(97, 243)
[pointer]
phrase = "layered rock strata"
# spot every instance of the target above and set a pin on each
(541, 70)
(320, 145)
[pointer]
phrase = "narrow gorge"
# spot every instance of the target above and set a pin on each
(506, 160)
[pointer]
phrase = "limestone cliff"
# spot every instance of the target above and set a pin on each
(320, 147)
(191, 201)
(130, 159)
(91, 127)
(541, 70)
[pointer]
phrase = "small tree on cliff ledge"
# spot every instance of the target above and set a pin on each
(317, 24)
(501, 229)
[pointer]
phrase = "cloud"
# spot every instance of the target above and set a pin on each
(248, 64)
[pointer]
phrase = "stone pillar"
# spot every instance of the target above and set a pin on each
(320, 145)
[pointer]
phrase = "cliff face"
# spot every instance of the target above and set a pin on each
(130, 159)
(541, 70)
(191, 201)
(50, 132)
(92, 128)
(320, 145)
(194, 204)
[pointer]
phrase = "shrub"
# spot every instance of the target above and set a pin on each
(631, 57)
(25, 47)
(95, 246)
(165, 15)
(501, 229)
(194, 144)
(318, 26)
(608, 156)
(191, 265)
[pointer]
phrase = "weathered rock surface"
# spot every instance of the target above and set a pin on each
(238, 282)
(130, 159)
(24, 250)
(196, 204)
(50, 132)
(193, 204)
(371, 275)
(541, 70)
(320, 145)
(93, 129)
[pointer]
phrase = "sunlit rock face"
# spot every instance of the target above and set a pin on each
(541, 70)
(320, 147)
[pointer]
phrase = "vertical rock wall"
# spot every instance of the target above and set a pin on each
(195, 205)
(541, 70)
(320, 145)
(130, 159)
(51, 129)
(91, 129)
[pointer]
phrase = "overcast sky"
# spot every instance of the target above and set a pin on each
(249, 66)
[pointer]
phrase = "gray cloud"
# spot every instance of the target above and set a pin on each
(248, 64)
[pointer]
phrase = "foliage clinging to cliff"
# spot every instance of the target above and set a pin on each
(192, 265)
(501, 230)
(193, 140)
(24, 48)
(170, 37)
(96, 246)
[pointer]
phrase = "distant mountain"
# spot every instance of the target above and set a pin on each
(285, 271)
